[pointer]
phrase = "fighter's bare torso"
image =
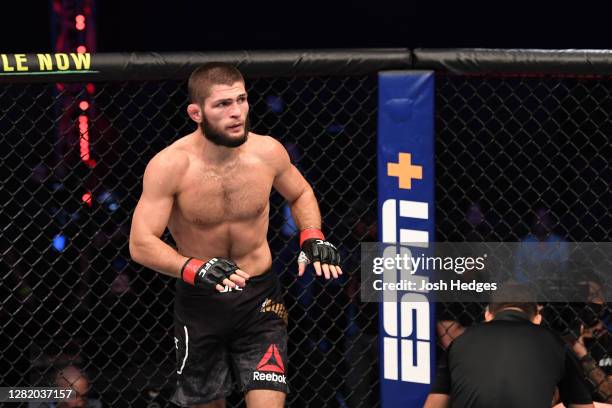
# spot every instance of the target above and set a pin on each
(222, 209)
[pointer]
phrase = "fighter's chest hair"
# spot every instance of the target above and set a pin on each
(237, 187)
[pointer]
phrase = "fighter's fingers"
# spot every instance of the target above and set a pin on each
(339, 269)
(333, 271)
(242, 273)
(336, 258)
(229, 283)
(317, 266)
(238, 280)
(325, 268)
(219, 288)
(301, 268)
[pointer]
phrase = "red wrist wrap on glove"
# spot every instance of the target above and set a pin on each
(189, 270)
(310, 233)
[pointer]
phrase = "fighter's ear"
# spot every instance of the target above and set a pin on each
(195, 112)
(537, 319)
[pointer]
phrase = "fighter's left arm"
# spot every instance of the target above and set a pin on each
(290, 183)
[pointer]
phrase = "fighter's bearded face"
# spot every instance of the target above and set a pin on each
(225, 115)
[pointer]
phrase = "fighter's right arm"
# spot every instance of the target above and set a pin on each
(160, 184)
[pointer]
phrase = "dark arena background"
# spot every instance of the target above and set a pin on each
(519, 135)
(522, 146)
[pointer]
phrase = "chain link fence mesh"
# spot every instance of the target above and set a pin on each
(71, 295)
(520, 159)
(507, 150)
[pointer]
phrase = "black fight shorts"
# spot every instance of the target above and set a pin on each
(230, 341)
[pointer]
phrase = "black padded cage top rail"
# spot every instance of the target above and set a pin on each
(285, 63)
(517, 131)
(164, 66)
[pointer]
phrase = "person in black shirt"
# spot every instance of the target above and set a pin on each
(509, 361)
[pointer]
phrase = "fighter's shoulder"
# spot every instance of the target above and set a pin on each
(268, 148)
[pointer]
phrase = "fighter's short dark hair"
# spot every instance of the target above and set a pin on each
(209, 74)
(516, 295)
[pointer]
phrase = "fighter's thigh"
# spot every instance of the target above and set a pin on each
(203, 365)
(220, 403)
(264, 399)
(261, 364)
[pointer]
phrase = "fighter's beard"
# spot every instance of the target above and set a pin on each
(221, 138)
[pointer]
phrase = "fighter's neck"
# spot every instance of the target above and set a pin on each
(215, 154)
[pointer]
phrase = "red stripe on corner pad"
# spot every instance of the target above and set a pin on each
(190, 270)
(310, 233)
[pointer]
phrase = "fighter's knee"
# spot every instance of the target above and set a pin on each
(265, 399)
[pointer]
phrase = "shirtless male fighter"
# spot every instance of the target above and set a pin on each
(211, 189)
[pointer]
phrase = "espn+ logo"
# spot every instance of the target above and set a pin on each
(406, 321)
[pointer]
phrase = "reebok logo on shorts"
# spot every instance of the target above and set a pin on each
(271, 364)
(273, 377)
(271, 361)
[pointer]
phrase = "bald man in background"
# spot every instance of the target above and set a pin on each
(71, 377)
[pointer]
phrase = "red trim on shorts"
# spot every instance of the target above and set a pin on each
(189, 270)
(310, 233)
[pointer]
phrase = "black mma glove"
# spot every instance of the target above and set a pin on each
(316, 248)
(206, 275)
